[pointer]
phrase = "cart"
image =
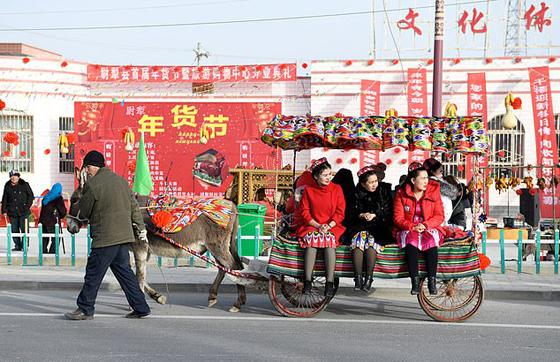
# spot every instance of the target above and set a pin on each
(460, 289)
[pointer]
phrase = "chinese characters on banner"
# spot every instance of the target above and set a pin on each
(545, 136)
(369, 106)
(417, 106)
(214, 74)
(172, 132)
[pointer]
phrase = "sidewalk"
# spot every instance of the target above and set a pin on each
(510, 286)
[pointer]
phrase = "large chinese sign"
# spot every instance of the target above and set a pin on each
(179, 74)
(417, 105)
(190, 146)
(545, 137)
(369, 106)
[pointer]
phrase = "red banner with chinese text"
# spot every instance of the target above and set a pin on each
(417, 105)
(174, 139)
(369, 106)
(477, 106)
(180, 74)
(545, 137)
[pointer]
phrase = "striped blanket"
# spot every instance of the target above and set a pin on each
(455, 261)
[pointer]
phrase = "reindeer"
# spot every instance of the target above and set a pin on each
(201, 235)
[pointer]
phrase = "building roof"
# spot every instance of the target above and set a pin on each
(20, 49)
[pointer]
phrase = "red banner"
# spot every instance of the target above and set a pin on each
(417, 105)
(192, 145)
(202, 74)
(545, 137)
(369, 106)
(476, 106)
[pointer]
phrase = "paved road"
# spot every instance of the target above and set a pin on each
(351, 329)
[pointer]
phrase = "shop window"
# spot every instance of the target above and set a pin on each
(17, 157)
(66, 160)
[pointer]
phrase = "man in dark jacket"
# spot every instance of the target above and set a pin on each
(16, 203)
(111, 208)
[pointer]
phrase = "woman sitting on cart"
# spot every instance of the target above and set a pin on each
(373, 218)
(322, 211)
(418, 215)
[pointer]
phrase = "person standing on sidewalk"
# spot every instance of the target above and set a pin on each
(16, 203)
(53, 210)
(111, 208)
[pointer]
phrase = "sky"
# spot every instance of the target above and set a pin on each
(337, 37)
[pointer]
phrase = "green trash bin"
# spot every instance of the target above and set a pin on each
(250, 216)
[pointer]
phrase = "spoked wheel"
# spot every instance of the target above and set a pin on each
(457, 299)
(285, 293)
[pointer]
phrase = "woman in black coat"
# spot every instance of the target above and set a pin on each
(373, 219)
(345, 180)
(52, 211)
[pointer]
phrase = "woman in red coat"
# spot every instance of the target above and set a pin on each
(418, 215)
(322, 211)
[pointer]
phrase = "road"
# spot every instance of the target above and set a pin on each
(351, 329)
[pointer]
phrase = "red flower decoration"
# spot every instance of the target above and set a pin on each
(2, 105)
(395, 61)
(519, 192)
(23, 153)
(398, 150)
(370, 62)
(404, 161)
(162, 218)
(489, 60)
(533, 192)
(484, 261)
(354, 160)
(71, 139)
(348, 63)
(516, 104)
(11, 137)
(47, 151)
(339, 160)
(6, 153)
(457, 60)
(388, 161)
(64, 64)
(501, 153)
(304, 65)
(430, 61)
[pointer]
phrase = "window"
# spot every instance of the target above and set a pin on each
(66, 161)
(17, 157)
(508, 148)
(451, 166)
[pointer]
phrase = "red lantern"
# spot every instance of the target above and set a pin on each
(484, 261)
(304, 65)
(398, 150)
(2, 105)
(162, 218)
(395, 61)
(348, 63)
(457, 61)
(388, 161)
(64, 64)
(339, 160)
(23, 153)
(501, 153)
(370, 62)
(430, 61)
(11, 137)
(552, 59)
(489, 60)
(533, 192)
(6, 153)
(16, 143)
(519, 192)
(460, 167)
(516, 104)
(47, 151)
(354, 160)
(404, 161)
(25, 60)
(518, 60)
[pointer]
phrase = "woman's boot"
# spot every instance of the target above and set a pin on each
(415, 285)
(358, 282)
(367, 284)
(432, 288)
(329, 289)
(306, 287)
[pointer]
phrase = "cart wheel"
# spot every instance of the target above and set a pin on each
(456, 301)
(285, 293)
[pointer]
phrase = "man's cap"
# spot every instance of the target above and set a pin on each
(14, 173)
(94, 158)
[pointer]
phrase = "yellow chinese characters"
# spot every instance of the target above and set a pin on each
(217, 124)
(184, 116)
(150, 125)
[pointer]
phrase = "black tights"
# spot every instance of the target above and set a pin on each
(330, 262)
(412, 255)
(371, 256)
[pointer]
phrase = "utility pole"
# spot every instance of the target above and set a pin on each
(438, 59)
(199, 54)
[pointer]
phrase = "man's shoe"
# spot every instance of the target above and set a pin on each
(136, 315)
(78, 315)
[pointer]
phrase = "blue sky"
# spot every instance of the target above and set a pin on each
(345, 37)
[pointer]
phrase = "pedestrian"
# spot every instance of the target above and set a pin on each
(418, 215)
(16, 203)
(322, 211)
(111, 208)
(373, 218)
(53, 210)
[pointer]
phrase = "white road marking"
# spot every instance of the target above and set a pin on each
(292, 320)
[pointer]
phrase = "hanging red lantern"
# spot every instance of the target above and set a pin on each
(6, 153)
(533, 192)
(23, 153)
(457, 61)
(398, 150)
(430, 61)
(339, 160)
(370, 62)
(395, 61)
(25, 60)
(64, 64)
(354, 160)
(304, 65)
(518, 60)
(2, 105)
(404, 161)
(47, 151)
(484, 261)
(162, 218)
(348, 63)
(388, 161)
(519, 192)
(11, 137)
(489, 60)
(552, 59)
(516, 104)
